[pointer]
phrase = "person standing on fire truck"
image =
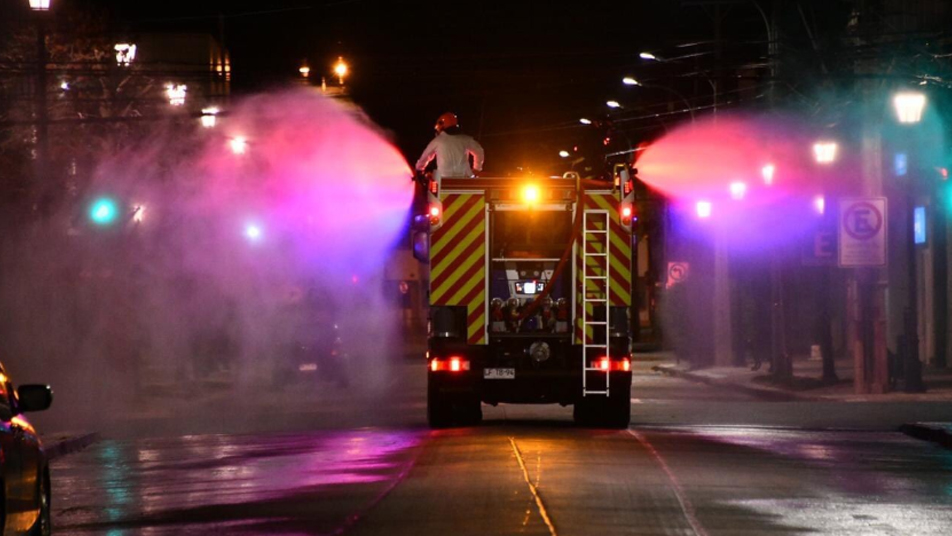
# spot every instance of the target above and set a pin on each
(452, 150)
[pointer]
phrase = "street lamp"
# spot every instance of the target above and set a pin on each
(340, 69)
(648, 56)
(631, 81)
(564, 154)
(768, 172)
(176, 94)
(125, 53)
(238, 145)
(585, 121)
(209, 117)
(703, 209)
(738, 190)
(40, 5)
(613, 104)
(825, 152)
(909, 106)
(305, 71)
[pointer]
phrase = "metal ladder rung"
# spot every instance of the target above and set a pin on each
(600, 237)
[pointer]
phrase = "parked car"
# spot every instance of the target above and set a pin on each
(25, 474)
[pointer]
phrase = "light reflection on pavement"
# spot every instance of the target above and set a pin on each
(227, 484)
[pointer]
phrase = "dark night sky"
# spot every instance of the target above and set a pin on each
(503, 66)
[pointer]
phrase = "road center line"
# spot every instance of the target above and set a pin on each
(532, 488)
(683, 501)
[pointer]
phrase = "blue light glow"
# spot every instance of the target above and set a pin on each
(103, 211)
(919, 225)
(901, 164)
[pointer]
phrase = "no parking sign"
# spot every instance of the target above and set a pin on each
(862, 232)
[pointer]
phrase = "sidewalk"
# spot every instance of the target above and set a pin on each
(806, 385)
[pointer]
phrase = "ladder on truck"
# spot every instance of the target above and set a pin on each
(596, 297)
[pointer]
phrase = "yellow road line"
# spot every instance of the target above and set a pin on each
(533, 489)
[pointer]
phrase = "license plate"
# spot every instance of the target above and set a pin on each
(499, 374)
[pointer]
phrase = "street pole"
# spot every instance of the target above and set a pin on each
(42, 122)
(913, 367)
(940, 268)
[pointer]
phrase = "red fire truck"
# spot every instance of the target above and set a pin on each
(530, 291)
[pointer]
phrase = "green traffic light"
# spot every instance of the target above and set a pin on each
(103, 211)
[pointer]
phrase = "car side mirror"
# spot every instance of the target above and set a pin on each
(34, 397)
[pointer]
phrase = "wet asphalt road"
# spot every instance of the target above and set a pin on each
(695, 461)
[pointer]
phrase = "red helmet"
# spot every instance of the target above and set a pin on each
(446, 121)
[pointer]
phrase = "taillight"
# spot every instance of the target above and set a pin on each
(612, 365)
(449, 364)
(628, 187)
(434, 187)
(434, 215)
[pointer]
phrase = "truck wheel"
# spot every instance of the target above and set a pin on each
(439, 409)
(617, 412)
(472, 412)
(583, 412)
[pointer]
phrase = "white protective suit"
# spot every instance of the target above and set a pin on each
(452, 152)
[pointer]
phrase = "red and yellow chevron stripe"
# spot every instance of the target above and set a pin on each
(458, 260)
(619, 261)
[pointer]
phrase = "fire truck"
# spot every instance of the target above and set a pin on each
(529, 294)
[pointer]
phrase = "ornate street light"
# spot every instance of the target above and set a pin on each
(909, 106)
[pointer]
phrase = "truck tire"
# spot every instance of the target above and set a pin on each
(618, 412)
(583, 412)
(471, 412)
(439, 409)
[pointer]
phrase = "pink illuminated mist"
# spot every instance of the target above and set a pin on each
(753, 178)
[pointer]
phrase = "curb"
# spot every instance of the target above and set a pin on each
(927, 432)
(68, 445)
(761, 392)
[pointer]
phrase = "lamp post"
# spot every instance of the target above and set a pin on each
(824, 154)
(630, 81)
(41, 9)
(341, 70)
(909, 107)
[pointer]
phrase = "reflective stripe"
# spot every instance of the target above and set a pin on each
(458, 261)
